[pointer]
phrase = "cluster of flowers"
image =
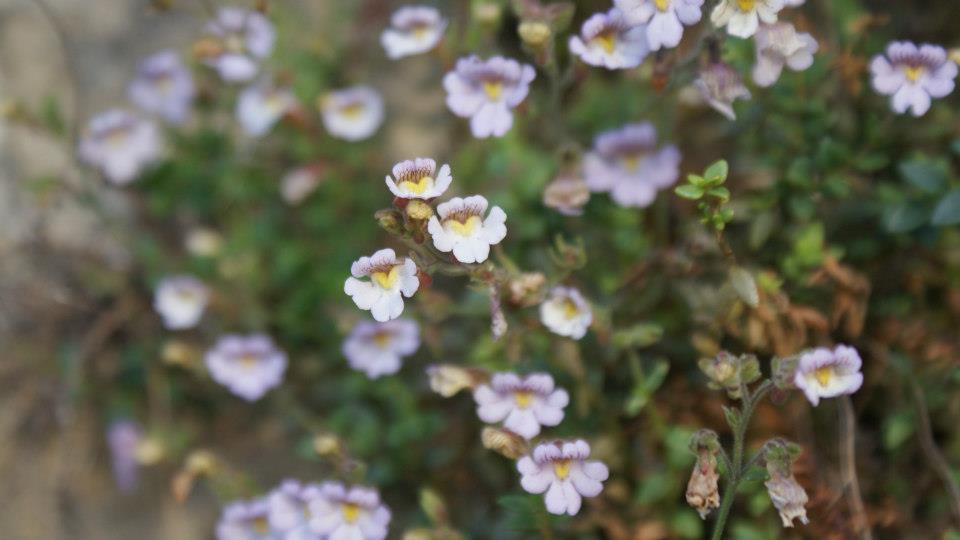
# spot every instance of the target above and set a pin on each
(298, 511)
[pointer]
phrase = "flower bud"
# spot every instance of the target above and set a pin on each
(326, 445)
(390, 221)
(202, 242)
(418, 210)
(525, 289)
(487, 13)
(702, 491)
(954, 54)
(178, 353)
(149, 451)
(201, 462)
(207, 48)
(567, 194)
(448, 379)
(504, 442)
(535, 34)
(728, 372)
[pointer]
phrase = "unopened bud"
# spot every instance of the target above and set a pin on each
(207, 48)
(390, 220)
(954, 55)
(448, 379)
(202, 242)
(178, 353)
(504, 442)
(326, 445)
(534, 33)
(498, 321)
(487, 13)
(728, 372)
(418, 210)
(433, 506)
(201, 462)
(567, 194)
(525, 289)
(149, 451)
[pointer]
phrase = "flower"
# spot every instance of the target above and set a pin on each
(289, 511)
(123, 439)
(352, 114)
(779, 44)
(609, 40)
(565, 312)
(248, 366)
(742, 17)
(627, 163)
(164, 86)
(486, 90)
(568, 193)
(260, 106)
(120, 144)
(522, 404)
(462, 229)
(203, 242)
(378, 348)
(664, 18)
(448, 379)
(246, 520)
(418, 179)
(822, 373)
(787, 495)
(297, 184)
(912, 75)
(793, 3)
(702, 493)
(413, 30)
(720, 85)
(562, 471)
(180, 301)
(246, 37)
(348, 514)
(389, 279)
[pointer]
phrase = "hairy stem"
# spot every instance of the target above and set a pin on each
(848, 468)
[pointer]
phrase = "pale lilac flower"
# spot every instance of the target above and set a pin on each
(163, 86)
(357, 513)
(742, 17)
(825, 373)
(297, 184)
(379, 348)
(720, 85)
(248, 366)
(913, 75)
(413, 30)
(246, 520)
(523, 404)
(486, 90)
(627, 163)
(261, 105)
(609, 40)
(562, 471)
(390, 280)
(418, 179)
(460, 227)
(123, 438)
(352, 114)
(289, 510)
(246, 37)
(119, 144)
(180, 301)
(780, 44)
(665, 19)
(566, 312)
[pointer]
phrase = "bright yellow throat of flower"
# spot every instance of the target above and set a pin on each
(352, 111)
(561, 469)
(746, 5)
(465, 228)
(607, 41)
(387, 280)
(350, 512)
(417, 187)
(522, 399)
(492, 89)
(570, 309)
(823, 375)
(662, 5)
(913, 72)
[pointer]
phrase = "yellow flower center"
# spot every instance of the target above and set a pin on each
(261, 525)
(387, 280)
(607, 41)
(352, 110)
(913, 72)
(417, 187)
(381, 339)
(350, 512)
(247, 360)
(823, 375)
(420, 31)
(493, 89)
(522, 399)
(746, 5)
(631, 162)
(662, 5)
(561, 469)
(234, 43)
(570, 309)
(465, 228)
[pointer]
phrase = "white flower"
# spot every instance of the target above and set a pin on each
(180, 301)
(793, 3)
(378, 348)
(352, 114)
(627, 163)
(912, 75)
(664, 18)
(357, 513)
(566, 312)
(822, 373)
(522, 404)
(418, 179)
(245, 520)
(485, 91)
(742, 17)
(249, 366)
(779, 44)
(297, 184)
(246, 38)
(462, 229)
(120, 144)
(289, 512)
(609, 40)
(413, 30)
(260, 106)
(390, 280)
(561, 469)
(164, 86)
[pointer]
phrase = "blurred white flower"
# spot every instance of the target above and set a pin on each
(913, 75)
(485, 91)
(627, 163)
(203, 242)
(418, 179)
(413, 30)
(609, 40)
(566, 312)
(522, 404)
(261, 105)
(378, 349)
(562, 471)
(246, 520)
(246, 37)
(289, 510)
(357, 513)
(742, 17)
(390, 280)
(120, 144)
(180, 301)
(462, 229)
(825, 373)
(248, 366)
(720, 85)
(297, 184)
(665, 19)
(780, 44)
(163, 86)
(352, 114)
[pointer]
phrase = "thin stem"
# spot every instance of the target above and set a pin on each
(932, 451)
(848, 468)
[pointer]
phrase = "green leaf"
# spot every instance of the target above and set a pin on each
(733, 417)
(697, 180)
(897, 429)
(927, 176)
(688, 191)
(905, 217)
(947, 211)
(721, 193)
(717, 172)
(746, 287)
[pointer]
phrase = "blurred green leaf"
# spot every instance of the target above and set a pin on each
(717, 172)
(688, 191)
(905, 217)
(947, 211)
(925, 175)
